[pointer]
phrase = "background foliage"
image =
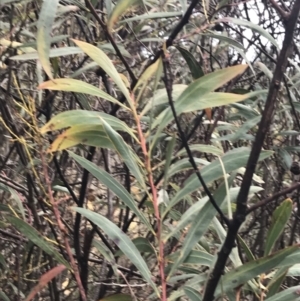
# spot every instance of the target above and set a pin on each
(149, 150)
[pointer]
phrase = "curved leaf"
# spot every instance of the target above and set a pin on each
(289, 294)
(194, 66)
(93, 135)
(112, 184)
(44, 280)
(37, 239)
(125, 152)
(122, 241)
(280, 218)
(254, 27)
(250, 270)
(105, 63)
(232, 160)
(119, 9)
(83, 117)
(75, 85)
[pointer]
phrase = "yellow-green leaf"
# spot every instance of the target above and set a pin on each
(105, 63)
(75, 85)
(119, 9)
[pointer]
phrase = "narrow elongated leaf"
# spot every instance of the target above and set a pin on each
(158, 15)
(74, 85)
(200, 223)
(275, 284)
(252, 26)
(107, 254)
(192, 294)
(279, 219)
(55, 52)
(194, 66)
(148, 73)
(34, 236)
(105, 63)
(122, 241)
(92, 135)
(119, 9)
(203, 148)
(196, 103)
(196, 257)
(45, 22)
(44, 280)
(232, 160)
(246, 249)
(125, 152)
(225, 39)
(142, 244)
(289, 294)
(160, 99)
(112, 184)
(3, 296)
(83, 117)
(249, 270)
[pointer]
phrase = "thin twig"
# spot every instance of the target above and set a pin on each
(168, 85)
(273, 197)
(90, 6)
(61, 225)
(153, 189)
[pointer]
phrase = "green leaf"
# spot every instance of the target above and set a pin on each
(203, 148)
(200, 101)
(196, 257)
(112, 184)
(148, 73)
(3, 296)
(242, 131)
(280, 218)
(192, 294)
(194, 66)
(155, 15)
(275, 284)
(125, 152)
(223, 38)
(200, 221)
(254, 27)
(286, 158)
(107, 254)
(246, 249)
(289, 294)
(105, 63)
(75, 85)
(44, 25)
(232, 160)
(55, 52)
(122, 241)
(142, 244)
(92, 135)
(119, 9)
(34, 236)
(160, 99)
(252, 269)
(83, 117)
